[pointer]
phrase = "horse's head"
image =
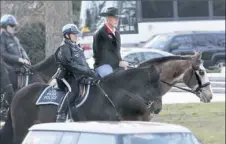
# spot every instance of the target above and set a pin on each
(196, 78)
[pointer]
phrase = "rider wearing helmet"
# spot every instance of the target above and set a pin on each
(13, 54)
(72, 61)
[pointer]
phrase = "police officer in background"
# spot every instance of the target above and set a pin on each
(107, 44)
(72, 62)
(13, 54)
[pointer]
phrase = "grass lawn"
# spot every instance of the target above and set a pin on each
(206, 121)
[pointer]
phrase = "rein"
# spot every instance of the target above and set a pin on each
(185, 89)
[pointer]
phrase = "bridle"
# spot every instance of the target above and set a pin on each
(194, 90)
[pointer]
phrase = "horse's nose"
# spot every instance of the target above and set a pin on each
(210, 98)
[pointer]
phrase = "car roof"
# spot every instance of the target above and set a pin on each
(114, 127)
(176, 33)
(126, 51)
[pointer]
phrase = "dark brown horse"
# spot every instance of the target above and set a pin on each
(186, 69)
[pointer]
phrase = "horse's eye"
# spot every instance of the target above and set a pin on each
(201, 72)
(196, 67)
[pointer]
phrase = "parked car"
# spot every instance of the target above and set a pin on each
(211, 44)
(137, 55)
(124, 132)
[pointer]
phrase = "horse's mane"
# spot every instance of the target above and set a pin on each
(163, 59)
(122, 73)
(45, 62)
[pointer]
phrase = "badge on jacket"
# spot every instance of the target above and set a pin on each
(110, 36)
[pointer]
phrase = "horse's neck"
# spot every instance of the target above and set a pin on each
(46, 68)
(126, 84)
(173, 72)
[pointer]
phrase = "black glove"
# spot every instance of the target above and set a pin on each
(90, 81)
(94, 75)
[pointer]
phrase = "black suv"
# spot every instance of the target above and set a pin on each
(211, 44)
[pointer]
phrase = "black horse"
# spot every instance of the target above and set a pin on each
(6, 90)
(41, 72)
(116, 96)
(131, 94)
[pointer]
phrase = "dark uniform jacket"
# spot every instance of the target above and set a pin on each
(106, 48)
(4, 78)
(11, 51)
(72, 58)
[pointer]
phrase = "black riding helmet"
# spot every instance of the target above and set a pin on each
(70, 29)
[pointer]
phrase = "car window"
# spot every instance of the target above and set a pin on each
(151, 55)
(161, 138)
(159, 42)
(70, 138)
(91, 138)
(182, 42)
(204, 40)
(43, 137)
(133, 56)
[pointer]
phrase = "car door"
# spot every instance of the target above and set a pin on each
(182, 45)
(206, 43)
(134, 58)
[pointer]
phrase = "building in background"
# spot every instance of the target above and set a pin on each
(146, 18)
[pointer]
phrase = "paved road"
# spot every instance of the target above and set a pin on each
(185, 97)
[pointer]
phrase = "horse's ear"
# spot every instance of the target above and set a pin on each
(200, 55)
(197, 58)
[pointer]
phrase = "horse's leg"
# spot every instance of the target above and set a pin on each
(135, 109)
(157, 107)
(24, 110)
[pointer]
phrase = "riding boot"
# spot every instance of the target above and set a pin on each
(63, 110)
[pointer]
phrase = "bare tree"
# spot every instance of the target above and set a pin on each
(53, 14)
(57, 14)
(25, 11)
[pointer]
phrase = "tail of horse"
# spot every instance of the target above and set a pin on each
(6, 133)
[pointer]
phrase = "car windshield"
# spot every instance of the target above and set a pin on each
(43, 137)
(158, 42)
(161, 138)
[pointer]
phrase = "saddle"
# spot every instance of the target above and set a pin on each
(65, 86)
(57, 91)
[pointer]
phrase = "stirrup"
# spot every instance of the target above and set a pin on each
(56, 86)
(61, 117)
(68, 120)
